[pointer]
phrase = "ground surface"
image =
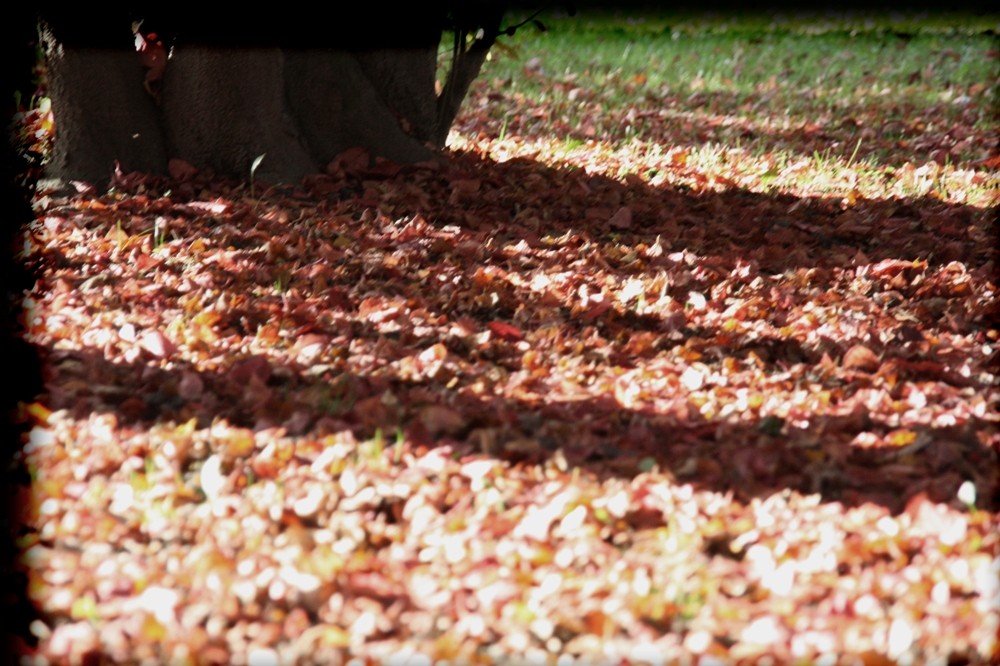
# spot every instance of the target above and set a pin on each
(686, 355)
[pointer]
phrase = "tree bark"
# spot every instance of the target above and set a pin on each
(337, 107)
(222, 108)
(230, 94)
(404, 80)
(102, 112)
(483, 22)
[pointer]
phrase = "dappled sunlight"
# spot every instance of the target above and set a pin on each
(349, 400)
(567, 395)
(717, 166)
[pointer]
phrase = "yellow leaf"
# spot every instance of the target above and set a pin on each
(240, 442)
(901, 437)
(84, 608)
(815, 455)
(186, 429)
(152, 631)
(38, 412)
(335, 637)
(207, 318)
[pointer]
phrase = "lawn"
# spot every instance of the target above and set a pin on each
(685, 354)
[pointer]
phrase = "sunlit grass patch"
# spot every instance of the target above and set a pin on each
(881, 91)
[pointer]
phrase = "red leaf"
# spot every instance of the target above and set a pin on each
(991, 162)
(255, 366)
(352, 159)
(621, 219)
(441, 420)
(190, 387)
(181, 170)
(152, 55)
(505, 331)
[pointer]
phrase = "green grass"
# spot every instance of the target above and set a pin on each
(864, 107)
(809, 83)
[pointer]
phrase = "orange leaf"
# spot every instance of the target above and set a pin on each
(38, 412)
(991, 162)
(239, 442)
(860, 358)
(679, 156)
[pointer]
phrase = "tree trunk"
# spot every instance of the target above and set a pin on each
(230, 95)
(222, 108)
(405, 80)
(104, 115)
(337, 107)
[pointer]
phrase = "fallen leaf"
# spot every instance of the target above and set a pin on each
(181, 170)
(441, 420)
(622, 219)
(157, 344)
(860, 358)
(505, 331)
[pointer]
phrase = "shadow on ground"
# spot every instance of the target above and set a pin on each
(517, 415)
